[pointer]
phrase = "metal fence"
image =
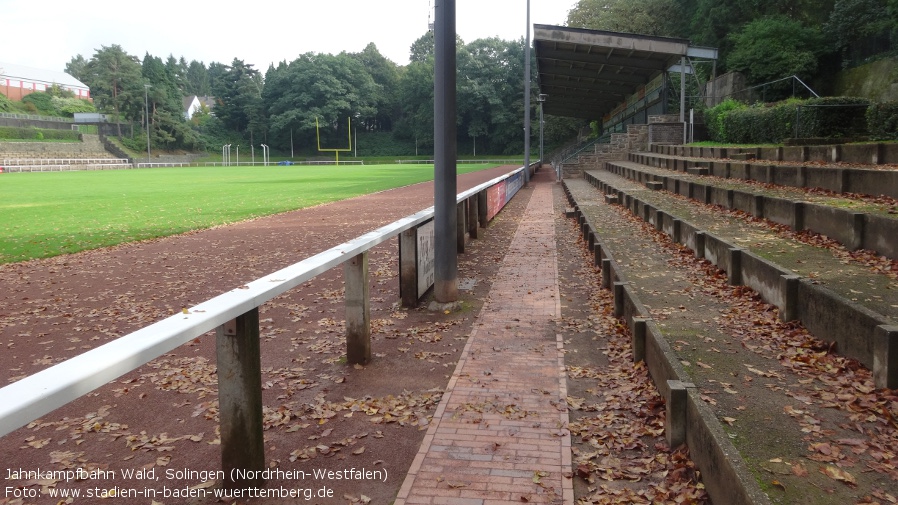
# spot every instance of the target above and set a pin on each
(234, 316)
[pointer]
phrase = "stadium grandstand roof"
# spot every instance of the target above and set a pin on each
(40, 76)
(587, 73)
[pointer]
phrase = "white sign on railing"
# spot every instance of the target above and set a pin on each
(426, 257)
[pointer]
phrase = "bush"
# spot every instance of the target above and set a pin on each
(14, 133)
(42, 103)
(5, 104)
(714, 118)
(831, 117)
(882, 120)
(69, 106)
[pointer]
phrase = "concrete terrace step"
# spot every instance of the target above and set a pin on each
(839, 178)
(855, 223)
(837, 300)
(687, 339)
(870, 153)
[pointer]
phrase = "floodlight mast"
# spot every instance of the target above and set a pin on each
(527, 101)
(146, 111)
(541, 99)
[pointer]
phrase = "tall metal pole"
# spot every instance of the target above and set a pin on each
(683, 95)
(542, 100)
(527, 101)
(445, 155)
(146, 110)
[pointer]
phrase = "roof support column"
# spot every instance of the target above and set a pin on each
(445, 154)
(683, 95)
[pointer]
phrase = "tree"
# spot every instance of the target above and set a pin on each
(644, 17)
(416, 98)
(197, 79)
(385, 74)
(77, 67)
(422, 49)
(115, 79)
(177, 69)
(169, 127)
(853, 20)
(775, 47)
(323, 86)
(239, 94)
(490, 93)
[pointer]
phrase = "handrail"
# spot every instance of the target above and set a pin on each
(600, 140)
(430, 162)
(33, 117)
(31, 397)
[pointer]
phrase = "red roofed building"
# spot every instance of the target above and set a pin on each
(16, 81)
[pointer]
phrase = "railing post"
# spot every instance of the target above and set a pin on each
(408, 267)
(482, 208)
(358, 310)
(240, 399)
(472, 216)
(461, 226)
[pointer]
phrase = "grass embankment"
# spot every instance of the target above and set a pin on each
(48, 214)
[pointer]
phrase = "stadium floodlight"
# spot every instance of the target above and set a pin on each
(527, 101)
(541, 99)
(146, 111)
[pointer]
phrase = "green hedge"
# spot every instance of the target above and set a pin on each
(882, 121)
(715, 115)
(14, 133)
(830, 117)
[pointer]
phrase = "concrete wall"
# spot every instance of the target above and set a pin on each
(90, 147)
(666, 133)
(724, 473)
(856, 180)
(853, 229)
(824, 313)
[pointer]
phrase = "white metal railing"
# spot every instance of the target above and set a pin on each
(430, 162)
(276, 163)
(163, 164)
(32, 162)
(31, 397)
(62, 168)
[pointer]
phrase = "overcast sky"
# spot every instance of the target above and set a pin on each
(48, 33)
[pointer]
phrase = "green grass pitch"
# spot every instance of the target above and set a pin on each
(48, 214)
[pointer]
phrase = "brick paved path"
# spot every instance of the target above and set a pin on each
(500, 433)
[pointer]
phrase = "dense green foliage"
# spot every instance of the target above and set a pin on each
(714, 118)
(773, 47)
(47, 214)
(55, 101)
(882, 121)
(766, 39)
(771, 123)
(6, 104)
(281, 106)
(645, 17)
(30, 133)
